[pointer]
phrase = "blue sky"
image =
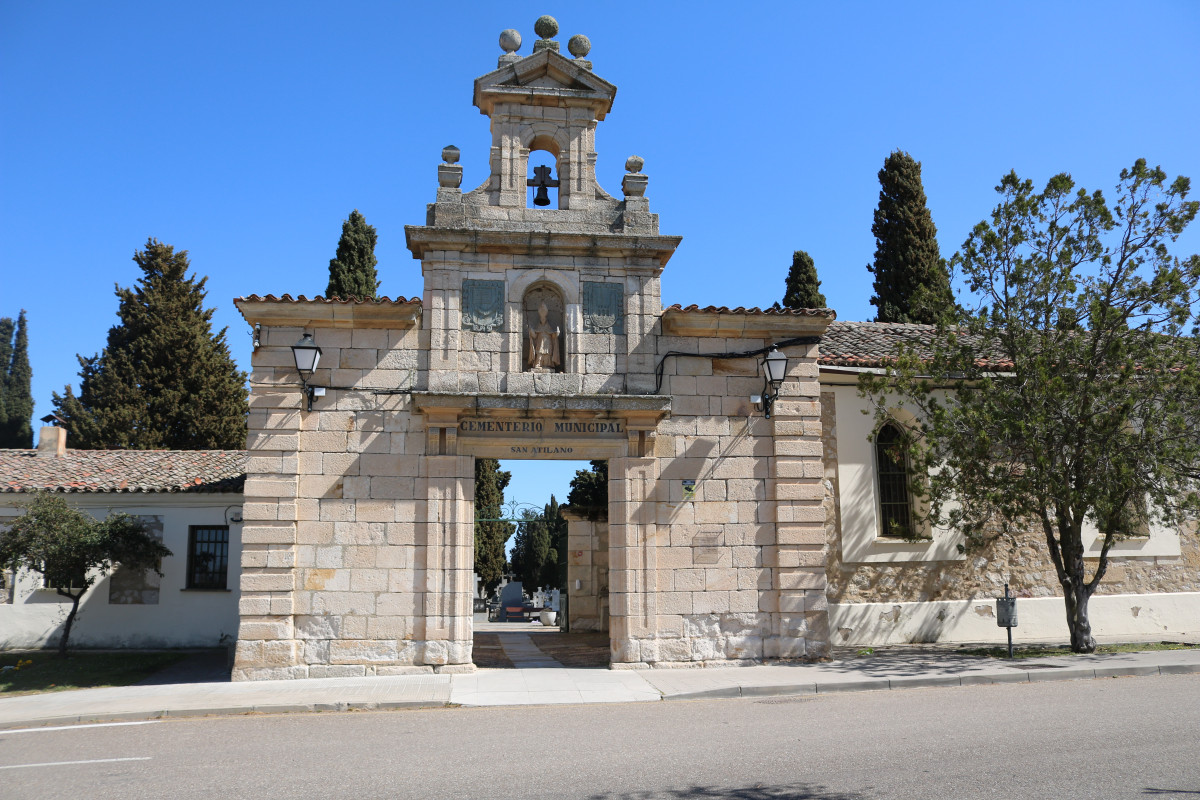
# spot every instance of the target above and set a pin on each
(246, 132)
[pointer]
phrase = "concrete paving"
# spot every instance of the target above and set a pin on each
(539, 680)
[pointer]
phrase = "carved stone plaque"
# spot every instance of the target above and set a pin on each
(603, 308)
(483, 306)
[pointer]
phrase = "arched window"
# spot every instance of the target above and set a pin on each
(895, 501)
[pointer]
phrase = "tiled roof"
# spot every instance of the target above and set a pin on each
(782, 312)
(287, 298)
(124, 471)
(871, 344)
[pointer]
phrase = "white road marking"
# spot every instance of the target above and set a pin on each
(68, 763)
(79, 727)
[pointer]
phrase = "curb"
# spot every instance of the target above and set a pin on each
(723, 692)
(221, 711)
(918, 682)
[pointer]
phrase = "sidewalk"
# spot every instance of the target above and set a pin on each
(538, 680)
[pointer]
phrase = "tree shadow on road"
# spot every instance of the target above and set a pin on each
(792, 791)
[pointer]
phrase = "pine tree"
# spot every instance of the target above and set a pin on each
(803, 289)
(164, 380)
(352, 272)
(17, 430)
(6, 337)
(911, 280)
(490, 537)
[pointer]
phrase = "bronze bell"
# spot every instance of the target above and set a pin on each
(542, 198)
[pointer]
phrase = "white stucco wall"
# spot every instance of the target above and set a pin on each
(859, 501)
(1115, 618)
(33, 616)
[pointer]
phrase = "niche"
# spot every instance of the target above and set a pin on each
(545, 346)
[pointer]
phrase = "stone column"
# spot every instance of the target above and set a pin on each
(633, 560)
(797, 491)
(445, 575)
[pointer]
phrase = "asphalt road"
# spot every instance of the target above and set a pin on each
(1093, 739)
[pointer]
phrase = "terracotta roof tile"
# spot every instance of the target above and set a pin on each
(194, 471)
(872, 344)
(287, 298)
(782, 312)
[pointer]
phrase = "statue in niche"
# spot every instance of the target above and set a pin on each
(543, 343)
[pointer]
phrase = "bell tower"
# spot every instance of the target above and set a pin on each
(493, 261)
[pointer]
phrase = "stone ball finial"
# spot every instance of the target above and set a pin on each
(546, 26)
(579, 45)
(634, 164)
(510, 40)
(450, 154)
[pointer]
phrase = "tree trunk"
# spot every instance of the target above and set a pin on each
(62, 643)
(1077, 594)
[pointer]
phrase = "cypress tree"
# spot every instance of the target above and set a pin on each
(164, 380)
(490, 537)
(6, 337)
(554, 570)
(352, 272)
(17, 430)
(911, 280)
(803, 289)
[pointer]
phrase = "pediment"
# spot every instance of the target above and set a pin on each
(544, 78)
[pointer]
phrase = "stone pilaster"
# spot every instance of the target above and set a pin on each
(633, 559)
(445, 524)
(797, 493)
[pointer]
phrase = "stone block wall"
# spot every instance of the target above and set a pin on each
(356, 546)
(733, 573)
(465, 360)
(587, 563)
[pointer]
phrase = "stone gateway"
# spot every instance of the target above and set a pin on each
(540, 334)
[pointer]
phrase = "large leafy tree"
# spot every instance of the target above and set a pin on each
(1077, 377)
(72, 551)
(803, 289)
(16, 396)
(912, 283)
(164, 380)
(589, 491)
(352, 271)
(490, 535)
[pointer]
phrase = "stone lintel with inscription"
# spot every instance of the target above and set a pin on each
(519, 426)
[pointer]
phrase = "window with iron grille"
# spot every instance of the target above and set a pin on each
(895, 503)
(208, 556)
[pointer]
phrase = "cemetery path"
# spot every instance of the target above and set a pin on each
(508, 646)
(524, 654)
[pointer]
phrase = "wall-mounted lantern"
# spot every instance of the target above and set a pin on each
(774, 370)
(307, 356)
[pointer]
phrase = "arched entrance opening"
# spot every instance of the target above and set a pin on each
(541, 562)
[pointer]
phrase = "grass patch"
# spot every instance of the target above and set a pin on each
(43, 671)
(1044, 651)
